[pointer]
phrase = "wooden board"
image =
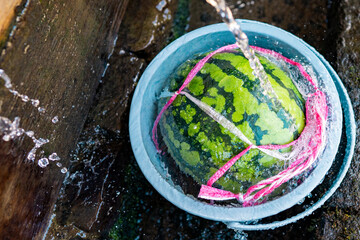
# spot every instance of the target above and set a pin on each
(58, 54)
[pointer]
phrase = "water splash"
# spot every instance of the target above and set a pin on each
(54, 157)
(55, 119)
(240, 235)
(243, 42)
(24, 98)
(43, 162)
(11, 129)
(38, 144)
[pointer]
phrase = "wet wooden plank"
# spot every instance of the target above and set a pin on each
(58, 54)
(98, 187)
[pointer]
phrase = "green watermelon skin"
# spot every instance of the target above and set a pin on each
(200, 146)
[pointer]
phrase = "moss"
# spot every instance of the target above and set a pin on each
(127, 225)
(181, 20)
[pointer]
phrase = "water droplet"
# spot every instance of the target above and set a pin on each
(161, 5)
(240, 235)
(55, 119)
(64, 170)
(29, 133)
(35, 102)
(59, 164)
(39, 142)
(41, 109)
(14, 92)
(25, 98)
(6, 79)
(31, 155)
(43, 162)
(18, 132)
(8, 85)
(6, 138)
(106, 67)
(54, 157)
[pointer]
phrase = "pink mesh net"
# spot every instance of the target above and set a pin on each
(304, 152)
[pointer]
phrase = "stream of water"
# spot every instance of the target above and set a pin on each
(243, 42)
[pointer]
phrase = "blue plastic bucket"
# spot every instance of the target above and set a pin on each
(144, 110)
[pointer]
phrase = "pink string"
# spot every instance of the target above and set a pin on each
(208, 192)
(305, 159)
(310, 141)
(226, 167)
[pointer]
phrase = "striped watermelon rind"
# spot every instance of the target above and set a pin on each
(200, 146)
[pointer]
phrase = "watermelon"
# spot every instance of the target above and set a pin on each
(200, 146)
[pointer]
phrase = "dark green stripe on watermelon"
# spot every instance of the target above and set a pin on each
(294, 93)
(200, 146)
(251, 119)
(273, 104)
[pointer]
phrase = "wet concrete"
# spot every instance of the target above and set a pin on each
(348, 67)
(305, 19)
(340, 216)
(105, 195)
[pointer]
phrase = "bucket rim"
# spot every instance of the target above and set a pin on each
(189, 203)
